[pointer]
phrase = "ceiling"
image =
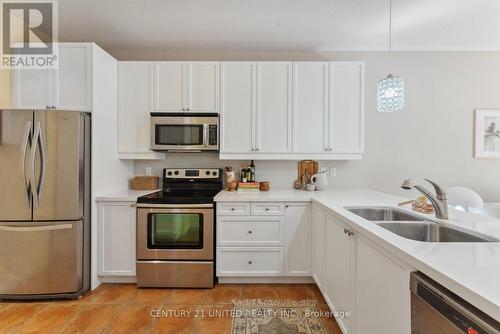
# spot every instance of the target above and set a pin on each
(282, 24)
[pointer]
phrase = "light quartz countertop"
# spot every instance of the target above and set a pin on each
(124, 196)
(470, 270)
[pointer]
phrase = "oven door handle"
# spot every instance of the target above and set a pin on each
(174, 206)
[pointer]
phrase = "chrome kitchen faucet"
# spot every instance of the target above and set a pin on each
(439, 201)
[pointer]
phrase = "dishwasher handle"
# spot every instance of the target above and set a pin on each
(463, 315)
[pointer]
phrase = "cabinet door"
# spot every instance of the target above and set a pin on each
(32, 89)
(298, 239)
(203, 83)
(238, 107)
(170, 86)
(383, 294)
(274, 97)
(346, 121)
(73, 77)
(310, 107)
(318, 245)
(134, 105)
(339, 278)
(117, 239)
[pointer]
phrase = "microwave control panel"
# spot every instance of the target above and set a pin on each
(212, 135)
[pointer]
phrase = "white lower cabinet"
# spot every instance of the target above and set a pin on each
(263, 239)
(339, 288)
(116, 242)
(365, 287)
(356, 276)
(318, 245)
(298, 239)
(250, 261)
(250, 231)
(382, 292)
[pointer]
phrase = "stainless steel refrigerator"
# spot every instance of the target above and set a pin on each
(44, 204)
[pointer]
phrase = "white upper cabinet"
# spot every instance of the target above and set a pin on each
(298, 239)
(170, 86)
(203, 89)
(69, 87)
(238, 108)
(256, 107)
(135, 94)
(186, 86)
(346, 123)
(274, 107)
(310, 107)
(32, 89)
(73, 83)
(293, 110)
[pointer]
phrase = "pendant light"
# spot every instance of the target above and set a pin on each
(391, 89)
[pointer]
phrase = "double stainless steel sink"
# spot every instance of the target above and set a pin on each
(414, 227)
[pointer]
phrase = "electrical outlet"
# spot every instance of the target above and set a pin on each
(333, 171)
(148, 171)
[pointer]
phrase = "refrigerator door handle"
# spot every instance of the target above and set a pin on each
(24, 150)
(34, 147)
(42, 164)
(36, 228)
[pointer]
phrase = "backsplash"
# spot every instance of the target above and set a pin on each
(281, 174)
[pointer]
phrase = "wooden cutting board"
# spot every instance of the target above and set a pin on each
(310, 166)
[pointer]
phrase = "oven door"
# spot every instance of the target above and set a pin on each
(177, 233)
(178, 133)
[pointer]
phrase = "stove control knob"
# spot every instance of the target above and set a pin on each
(214, 173)
(169, 173)
(176, 172)
(207, 172)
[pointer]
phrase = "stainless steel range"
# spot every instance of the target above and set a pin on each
(175, 230)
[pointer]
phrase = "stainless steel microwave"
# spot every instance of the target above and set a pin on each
(184, 132)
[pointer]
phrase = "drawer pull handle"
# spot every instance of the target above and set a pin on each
(250, 232)
(267, 209)
(232, 209)
(250, 262)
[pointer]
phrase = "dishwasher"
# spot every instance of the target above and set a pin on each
(436, 310)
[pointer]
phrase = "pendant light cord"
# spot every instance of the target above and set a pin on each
(390, 36)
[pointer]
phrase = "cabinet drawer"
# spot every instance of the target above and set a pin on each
(233, 209)
(267, 208)
(249, 261)
(250, 231)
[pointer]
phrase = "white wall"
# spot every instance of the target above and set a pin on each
(433, 138)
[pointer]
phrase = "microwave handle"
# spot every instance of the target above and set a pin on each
(205, 135)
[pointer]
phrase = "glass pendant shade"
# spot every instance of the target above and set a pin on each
(390, 94)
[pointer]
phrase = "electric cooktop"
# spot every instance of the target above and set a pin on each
(186, 186)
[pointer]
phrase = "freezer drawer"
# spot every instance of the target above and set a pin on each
(40, 258)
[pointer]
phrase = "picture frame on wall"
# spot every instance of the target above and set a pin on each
(487, 133)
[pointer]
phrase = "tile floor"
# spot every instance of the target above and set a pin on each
(123, 308)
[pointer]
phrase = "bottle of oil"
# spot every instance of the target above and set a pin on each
(252, 171)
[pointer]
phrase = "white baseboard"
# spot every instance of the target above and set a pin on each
(118, 279)
(273, 280)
